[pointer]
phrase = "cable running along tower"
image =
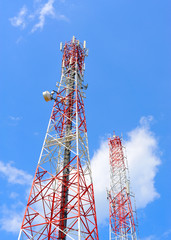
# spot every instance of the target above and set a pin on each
(61, 203)
(122, 214)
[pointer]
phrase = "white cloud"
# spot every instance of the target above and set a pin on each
(166, 233)
(151, 237)
(46, 10)
(143, 160)
(13, 195)
(15, 118)
(14, 175)
(11, 219)
(19, 39)
(37, 16)
(100, 172)
(19, 20)
(11, 216)
(62, 17)
(36, 133)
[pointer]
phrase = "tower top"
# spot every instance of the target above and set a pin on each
(74, 52)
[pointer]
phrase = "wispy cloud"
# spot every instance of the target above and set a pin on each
(143, 160)
(167, 233)
(62, 17)
(19, 20)
(164, 235)
(46, 10)
(37, 17)
(14, 195)
(36, 133)
(151, 237)
(14, 175)
(11, 217)
(19, 39)
(15, 118)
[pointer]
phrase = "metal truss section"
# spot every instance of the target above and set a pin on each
(61, 204)
(122, 211)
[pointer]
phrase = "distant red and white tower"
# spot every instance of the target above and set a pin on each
(61, 203)
(122, 214)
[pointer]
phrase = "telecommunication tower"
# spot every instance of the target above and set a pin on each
(122, 211)
(61, 203)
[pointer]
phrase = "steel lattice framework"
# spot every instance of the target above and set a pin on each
(122, 214)
(61, 203)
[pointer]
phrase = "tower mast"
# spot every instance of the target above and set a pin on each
(122, 212)
(61, 203)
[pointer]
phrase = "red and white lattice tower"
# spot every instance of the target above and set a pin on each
(61, 203)
(122, 214)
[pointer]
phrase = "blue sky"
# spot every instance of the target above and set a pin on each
(128, 75)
